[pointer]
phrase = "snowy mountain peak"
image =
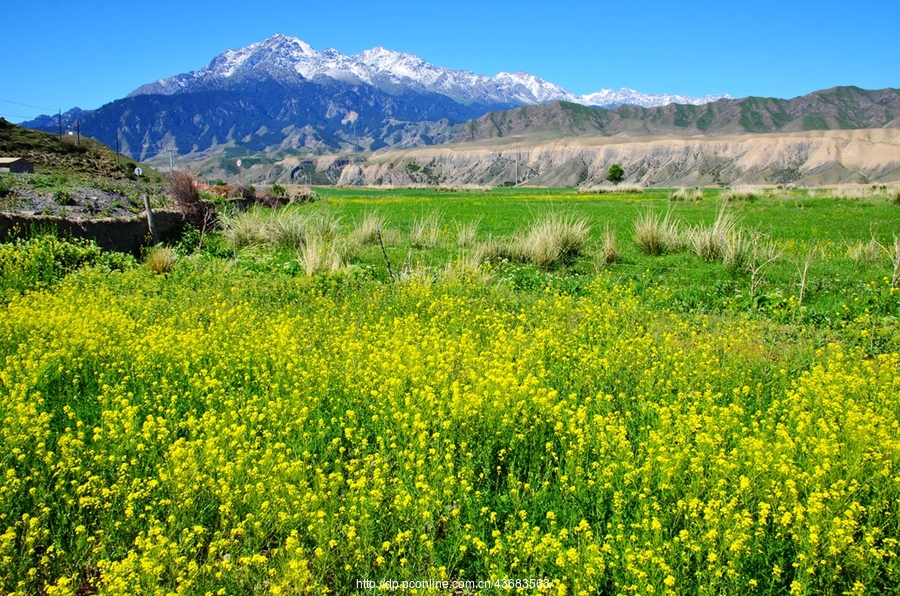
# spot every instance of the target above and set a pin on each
(284, 58)
(611, 98)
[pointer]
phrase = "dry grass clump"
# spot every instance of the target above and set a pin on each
(619, 189)
(246, 229)
(858, 192)
(489, 250)
(893, 194)
(368, 229)
(742, 193)
(737, 252)
(317, 254)
(864, 253)
(687, 194)
(893, 253)
(551, 239)
(655, 234)
(426, 231)
(324, 224)
(608, 251)
(161, 259)
(464, 188)
(711, 242)
(467, 233)
(286, 228)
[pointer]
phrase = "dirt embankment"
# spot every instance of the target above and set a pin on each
(808, 158)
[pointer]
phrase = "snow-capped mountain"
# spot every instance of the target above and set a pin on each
(288, 59)
(624, 96)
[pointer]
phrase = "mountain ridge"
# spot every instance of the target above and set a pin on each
(829, 109)
(285, 58)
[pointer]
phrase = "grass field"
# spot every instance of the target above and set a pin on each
(225, 423)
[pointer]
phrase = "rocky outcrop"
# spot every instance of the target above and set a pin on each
(803, 158)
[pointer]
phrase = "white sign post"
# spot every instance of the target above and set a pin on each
(138, 172)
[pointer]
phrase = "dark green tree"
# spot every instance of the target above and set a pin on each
(616, 173)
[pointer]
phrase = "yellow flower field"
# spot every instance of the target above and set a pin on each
(219, 434)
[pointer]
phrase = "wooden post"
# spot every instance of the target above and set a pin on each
(150, 219)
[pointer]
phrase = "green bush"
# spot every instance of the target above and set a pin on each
(43, 259)
(63, 197)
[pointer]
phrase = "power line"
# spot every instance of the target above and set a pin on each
(14, 115)
(25, 104)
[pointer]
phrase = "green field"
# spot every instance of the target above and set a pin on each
(217, 421)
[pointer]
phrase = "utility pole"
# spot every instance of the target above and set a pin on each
(517, 165)
(59, 119)
(117, 148)
(78, 128)
(171, 159)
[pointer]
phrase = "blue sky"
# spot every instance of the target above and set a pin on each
(88, 53)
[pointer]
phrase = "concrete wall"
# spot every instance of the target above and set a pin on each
(122, 235)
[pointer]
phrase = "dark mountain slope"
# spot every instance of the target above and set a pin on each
(831, 109)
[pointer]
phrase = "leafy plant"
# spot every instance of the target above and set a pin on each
(616, 173)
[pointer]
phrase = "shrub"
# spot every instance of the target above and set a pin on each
(656, 235)
(239, 191)
(44, 258)
(63, 197)
(6, 186)
(184, 193)
(304, 194)
(278, 190)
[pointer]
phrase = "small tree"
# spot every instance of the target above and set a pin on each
(616, 173)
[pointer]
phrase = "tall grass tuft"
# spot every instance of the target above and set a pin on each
(710, 242)
(737, 252)
(366, 232)
(864, 253)
(687, 194)
(246, 229)
(161, 259)
(551, 239)
(893, 194)
(742, 193)
(317, 254)
(287, 228)
(467, 233)
(655, 234)
(893, 253)
(426, 231)
(608, 251)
